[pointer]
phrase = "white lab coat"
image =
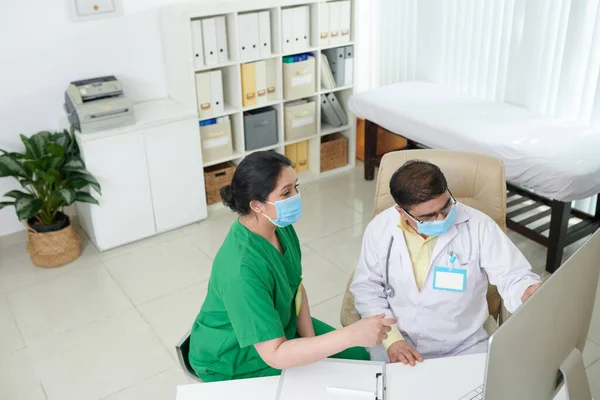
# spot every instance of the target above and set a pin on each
(438, 322)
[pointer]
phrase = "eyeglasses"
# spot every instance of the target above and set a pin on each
(433, 217)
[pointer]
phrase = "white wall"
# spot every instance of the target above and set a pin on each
(41, 51)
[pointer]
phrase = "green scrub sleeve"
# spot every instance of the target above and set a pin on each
(251, 311)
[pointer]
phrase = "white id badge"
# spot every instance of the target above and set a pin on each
(452, 279)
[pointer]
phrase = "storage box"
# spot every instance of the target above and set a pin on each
(299, 79)
(216, 141)
(260, 128)
(215, 178)
(300, 120)
(334, 151)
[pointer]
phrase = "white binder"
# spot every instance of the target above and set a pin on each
(349, 65)
(253, 36)
(337, 108)
(209, 34)
(197, 43)
(264, 33)
(287, 25)
(221, 29)
(216, 88)
(323, 24)
(327, 80)
(345, 21)
(334, 23)
(273, 93)
(328, 115)
(260, 70)
(301, 28)
(204, 94)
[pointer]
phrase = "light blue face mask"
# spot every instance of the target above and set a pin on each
(437, 228)
(288, 211)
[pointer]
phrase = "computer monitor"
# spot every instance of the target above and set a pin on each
(539, 348)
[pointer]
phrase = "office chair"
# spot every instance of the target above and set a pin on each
(183, 350)
(474, 179)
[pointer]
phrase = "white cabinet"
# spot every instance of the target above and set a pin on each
(176, 174)
(151, 175)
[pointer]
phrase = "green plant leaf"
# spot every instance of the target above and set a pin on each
(16, 156)
(80, 180)
(6, 204)
(17, 194)
(29, 149)
(27, 207)
(26, 182)
(56, 162)
(9, 166)
(63, 139)
(73, 163)
(68, 195)
(39, 141)
(55, 149)
(84, 197)
(48, 178)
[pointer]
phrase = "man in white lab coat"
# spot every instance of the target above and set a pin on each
(424, 262)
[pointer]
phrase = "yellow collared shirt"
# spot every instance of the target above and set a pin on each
(420, 251)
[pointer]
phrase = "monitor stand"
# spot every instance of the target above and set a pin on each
(575, 377)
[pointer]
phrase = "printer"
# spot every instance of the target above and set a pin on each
(97, 104)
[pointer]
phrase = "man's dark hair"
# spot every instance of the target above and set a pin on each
(417, 182)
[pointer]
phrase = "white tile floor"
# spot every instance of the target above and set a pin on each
(105, 326)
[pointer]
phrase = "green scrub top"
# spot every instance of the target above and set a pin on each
(250, 299)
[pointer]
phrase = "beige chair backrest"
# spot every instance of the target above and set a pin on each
(474, 179)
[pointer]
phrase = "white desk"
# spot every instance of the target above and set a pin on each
(440, 379)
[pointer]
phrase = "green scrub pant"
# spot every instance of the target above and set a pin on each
(321, 328)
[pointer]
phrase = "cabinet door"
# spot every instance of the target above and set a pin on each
(176, 174)
(125, 213)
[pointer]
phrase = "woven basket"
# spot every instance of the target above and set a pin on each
(215, 178)
(334, 152)
(54, 249)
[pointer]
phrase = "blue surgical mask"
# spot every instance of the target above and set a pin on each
(437, 228)
(288, 211)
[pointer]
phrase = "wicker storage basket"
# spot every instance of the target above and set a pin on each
(54, 249)
(334, 152)
(215, 178)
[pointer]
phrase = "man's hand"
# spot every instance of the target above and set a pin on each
(403, 352)
(530, 290)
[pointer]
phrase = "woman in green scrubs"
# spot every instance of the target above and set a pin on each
(255, 320)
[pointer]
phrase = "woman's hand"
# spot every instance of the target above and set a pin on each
(403, 352)
(370, 332)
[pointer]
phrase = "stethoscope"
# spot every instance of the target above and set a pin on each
(388, 290)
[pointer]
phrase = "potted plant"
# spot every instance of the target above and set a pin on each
(53, 176)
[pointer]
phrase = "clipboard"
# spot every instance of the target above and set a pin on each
(333, 379)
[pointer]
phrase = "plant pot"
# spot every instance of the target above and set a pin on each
(53, 248)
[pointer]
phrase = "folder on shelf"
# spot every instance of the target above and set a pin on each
(248, 33)
(336, 58)
(323, 24)
(260, 70)
(216, 87)
(337, 108)
(291, 152)
(302, 156)
(334, 23)
(209, 34)
(248, 85)
(344, 9)
(264, 33)
(327, 114)
(327, 80)
(287, 28)
(271, 71)
(349, 65)
(221, 29)
(301, 28)
(197, 44)
(204, 94)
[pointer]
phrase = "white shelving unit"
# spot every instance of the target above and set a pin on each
(176, 25)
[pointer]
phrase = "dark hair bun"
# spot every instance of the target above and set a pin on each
(227, 197)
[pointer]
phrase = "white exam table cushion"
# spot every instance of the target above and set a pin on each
(557, 159)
